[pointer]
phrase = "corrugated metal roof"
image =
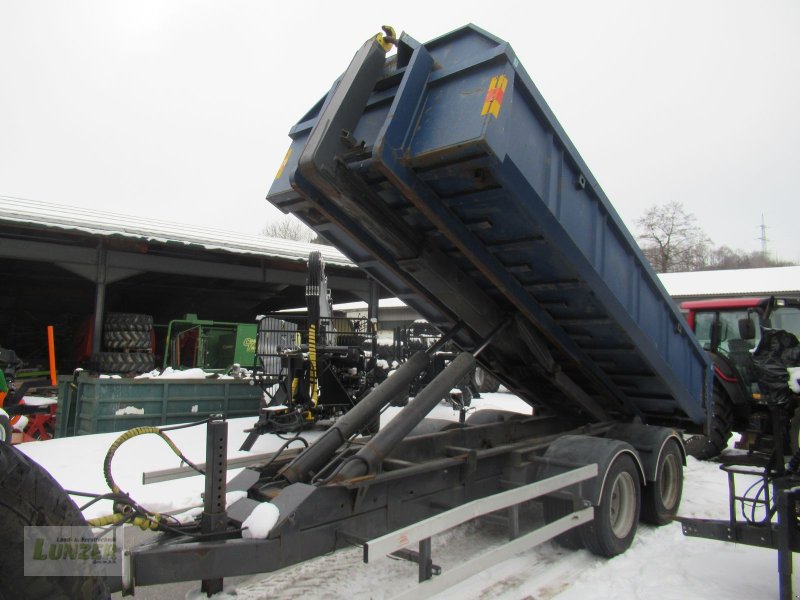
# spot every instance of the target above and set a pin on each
(106, 224)
(735, 282)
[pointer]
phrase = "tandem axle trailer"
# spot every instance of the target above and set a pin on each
(442, 172)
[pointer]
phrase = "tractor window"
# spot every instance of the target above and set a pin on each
(719, 331)
(703, 322)
(729, 338)
(787, 318)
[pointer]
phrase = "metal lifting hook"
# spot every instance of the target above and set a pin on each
(388, 38)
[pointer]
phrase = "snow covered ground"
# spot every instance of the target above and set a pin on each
(661, 564)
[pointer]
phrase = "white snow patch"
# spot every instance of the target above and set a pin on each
(130, 410)
(189, 516)
(260, 522)
(794, 379)
(39, 401)
(170, 373)
(195, 407)
(232, 497)
(102, 376)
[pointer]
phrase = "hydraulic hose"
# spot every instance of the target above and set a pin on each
(146, 520)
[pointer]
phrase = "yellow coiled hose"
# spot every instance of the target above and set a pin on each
(149, 520)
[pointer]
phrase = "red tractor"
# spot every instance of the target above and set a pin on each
(736, 332)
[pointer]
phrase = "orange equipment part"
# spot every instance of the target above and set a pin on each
(51, 346)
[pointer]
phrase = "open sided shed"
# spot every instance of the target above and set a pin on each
(61, 265)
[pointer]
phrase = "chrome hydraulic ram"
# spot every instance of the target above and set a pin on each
(371, 456)
(318, 454)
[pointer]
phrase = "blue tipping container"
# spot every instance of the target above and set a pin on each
(443, 173)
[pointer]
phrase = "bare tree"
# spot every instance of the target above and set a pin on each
(288, 227)
(727, 258)
(671, 240)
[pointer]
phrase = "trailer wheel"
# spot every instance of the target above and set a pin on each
(5, 428)
(30, 496)
(794, 431)
(555, 508)
(616, 518)
(706, 447)
(483, 381)
(662, 497)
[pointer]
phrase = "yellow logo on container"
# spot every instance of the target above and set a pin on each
(284, 163)
(494, 96)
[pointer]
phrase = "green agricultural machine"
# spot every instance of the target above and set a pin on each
(209, 345)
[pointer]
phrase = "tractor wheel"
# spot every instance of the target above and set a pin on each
(794, 431)
(616, 518)
(662, 497)
(127, 340)
(707, 447)
(128, 322)
(125, 362)
(30, 496)
(5, 428)
(483, 381)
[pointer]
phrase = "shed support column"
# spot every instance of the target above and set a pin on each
(99, 299)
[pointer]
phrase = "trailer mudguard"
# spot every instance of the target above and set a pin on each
(572, 451)
(649, 442)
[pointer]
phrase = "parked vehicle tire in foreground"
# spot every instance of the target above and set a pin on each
(616, 518)
(30, 496)
(662, 497)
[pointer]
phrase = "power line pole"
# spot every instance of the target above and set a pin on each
(763, 237)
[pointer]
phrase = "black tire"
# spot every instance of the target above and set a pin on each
(483, 381)
(125, 362)
(30, 496)
(662, 498)
(5, 429)
(555, 508)
(127, 340)
(128, 322)
(616, 518)
(794, 432)
(707, 447)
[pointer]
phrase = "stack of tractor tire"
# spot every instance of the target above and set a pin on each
(128, 341)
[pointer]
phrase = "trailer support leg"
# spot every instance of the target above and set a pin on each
(425, 560)
(215, 518)
(785, 513)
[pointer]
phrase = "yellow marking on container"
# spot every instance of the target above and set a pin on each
(494, 96)
(284, 163)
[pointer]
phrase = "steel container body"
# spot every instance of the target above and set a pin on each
(443, 173)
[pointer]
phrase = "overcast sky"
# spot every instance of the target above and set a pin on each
(180, 110)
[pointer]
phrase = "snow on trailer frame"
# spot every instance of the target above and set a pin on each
(444, 174)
